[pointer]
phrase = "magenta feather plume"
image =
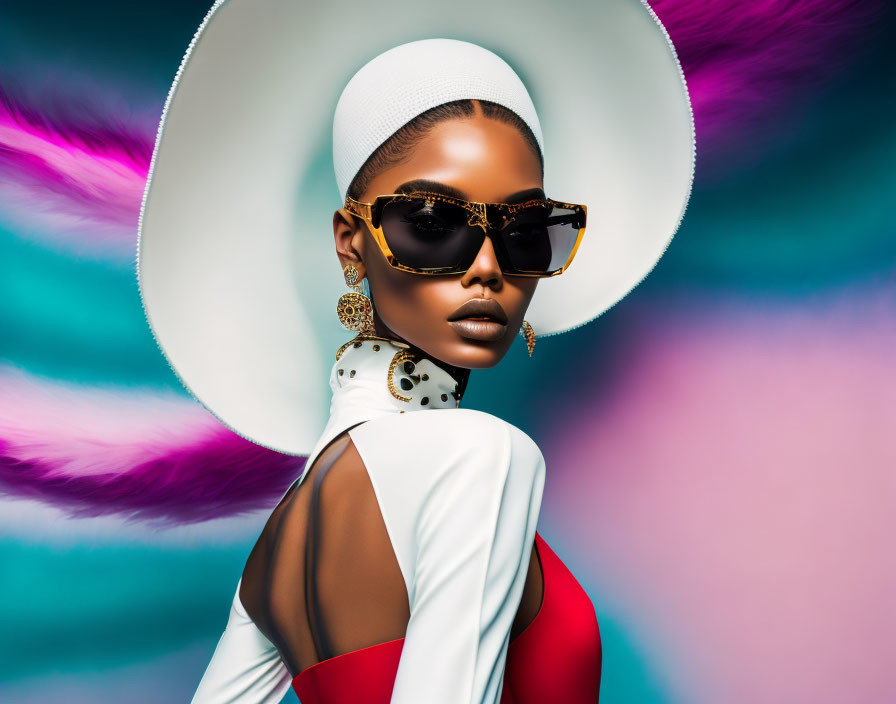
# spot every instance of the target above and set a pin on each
(75, 162)
(747, 59)
(144, 455)
(74, 165)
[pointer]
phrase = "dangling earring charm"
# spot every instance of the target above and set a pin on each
(351, 274)
(529, 334)
(355, 310)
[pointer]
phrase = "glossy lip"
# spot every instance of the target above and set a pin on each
(480, 319)
(487, 308)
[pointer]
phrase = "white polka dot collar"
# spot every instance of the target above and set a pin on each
(388, 374)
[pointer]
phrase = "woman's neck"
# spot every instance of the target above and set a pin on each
(386, 374)
(460, 374)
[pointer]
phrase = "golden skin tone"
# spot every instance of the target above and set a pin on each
(484, 160)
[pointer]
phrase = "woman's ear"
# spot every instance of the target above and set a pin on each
(349, 237)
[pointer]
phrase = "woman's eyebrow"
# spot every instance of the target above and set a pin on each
(523, 196)
(422, 184)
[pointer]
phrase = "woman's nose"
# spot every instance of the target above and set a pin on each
(485, 267)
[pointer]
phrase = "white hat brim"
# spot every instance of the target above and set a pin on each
(235, 260)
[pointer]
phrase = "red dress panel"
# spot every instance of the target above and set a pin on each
(556, 658)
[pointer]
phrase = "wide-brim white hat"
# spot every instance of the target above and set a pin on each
(236, 262)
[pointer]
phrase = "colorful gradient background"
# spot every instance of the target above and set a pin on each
(720, 445)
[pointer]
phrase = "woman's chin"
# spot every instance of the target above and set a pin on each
(461, 346)
(474, 354)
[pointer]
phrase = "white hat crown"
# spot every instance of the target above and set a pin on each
(393, 88)
(235, 261)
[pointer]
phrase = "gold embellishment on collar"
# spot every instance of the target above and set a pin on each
(399, 357)
(360, 338)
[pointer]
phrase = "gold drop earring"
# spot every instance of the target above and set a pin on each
(355, 310)
(529, 334)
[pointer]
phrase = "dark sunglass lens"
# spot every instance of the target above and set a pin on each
(425, 234)
(540, 239)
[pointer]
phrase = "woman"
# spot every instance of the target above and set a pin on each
(403, 564)
(327, 578)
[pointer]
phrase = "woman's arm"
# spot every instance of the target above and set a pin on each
(461, 492)
(245, 668)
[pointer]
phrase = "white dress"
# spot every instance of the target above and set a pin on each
(460, 492)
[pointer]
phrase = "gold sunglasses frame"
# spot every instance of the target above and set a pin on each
(478, 216)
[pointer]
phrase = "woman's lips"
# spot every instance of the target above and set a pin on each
(479, 328)
(480, 319)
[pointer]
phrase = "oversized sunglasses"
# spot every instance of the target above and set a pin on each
(431, 233)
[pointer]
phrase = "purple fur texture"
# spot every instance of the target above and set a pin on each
(223, 476)
(76, 159)
(745, 59)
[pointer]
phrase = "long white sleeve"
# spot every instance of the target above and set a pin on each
(245, 667)
(460, 491)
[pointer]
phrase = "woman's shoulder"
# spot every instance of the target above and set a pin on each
(432, 444)
(440, 423)
(455, 426)
(457, 472)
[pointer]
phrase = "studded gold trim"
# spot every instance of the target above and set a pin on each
(362, 337)
(342, 349)
(399, 357)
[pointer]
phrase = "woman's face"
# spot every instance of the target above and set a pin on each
(479, 159)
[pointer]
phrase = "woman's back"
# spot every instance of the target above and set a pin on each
(422, 524)
(323, 578)
(408, 548)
